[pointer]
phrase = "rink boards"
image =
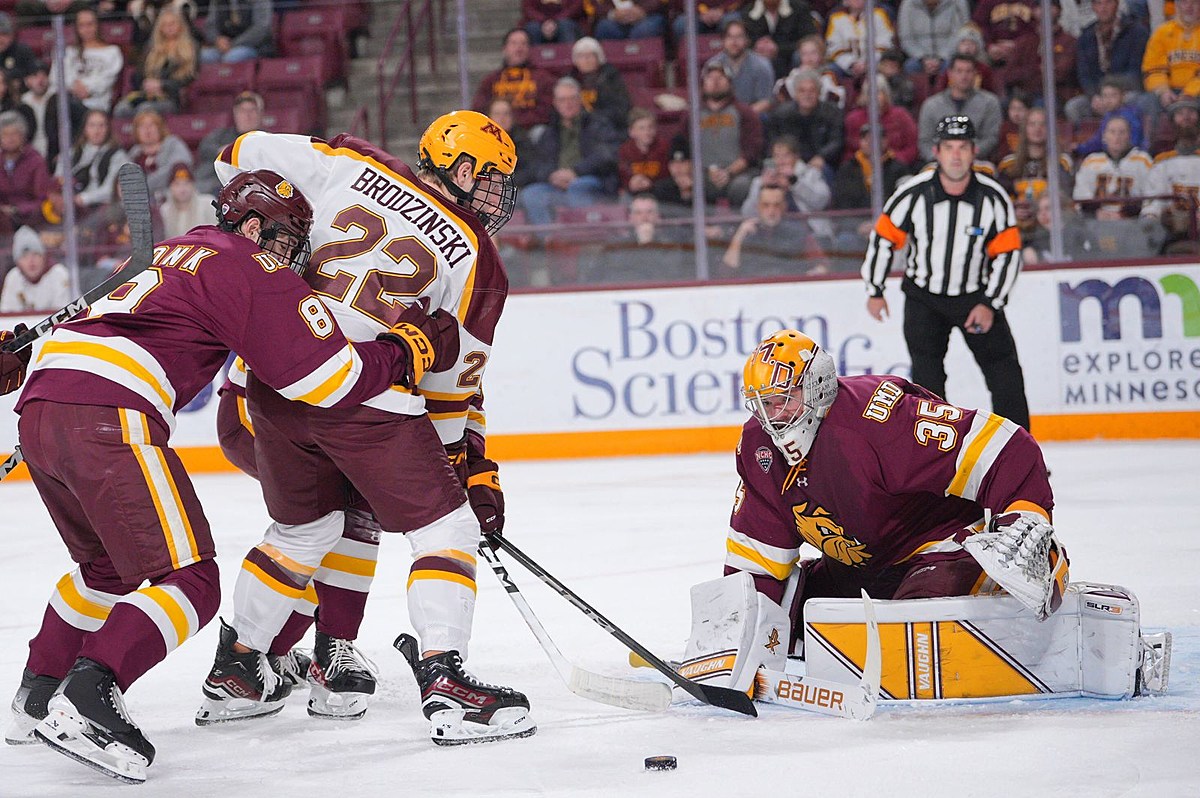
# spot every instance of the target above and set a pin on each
(1108, 352)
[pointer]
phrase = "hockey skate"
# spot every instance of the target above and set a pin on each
(460, 708)
(29, 706)
(342, 678)
(1153, 673)
(88, 722)
(241, 686)
(293, 667)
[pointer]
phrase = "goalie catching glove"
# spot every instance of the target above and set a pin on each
(429, 339)
(1018, 550)
(13, 364)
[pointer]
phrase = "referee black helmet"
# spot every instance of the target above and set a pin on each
(955, 127)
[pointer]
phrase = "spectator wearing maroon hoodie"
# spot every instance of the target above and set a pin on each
(1023, 70)
(899, 127)
(528, 88)
(642, 159)
(25, 181)
(1001, 22)
(552, 21)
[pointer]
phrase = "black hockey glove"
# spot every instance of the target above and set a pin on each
(13, 364)
(430, 341)
(486, 496)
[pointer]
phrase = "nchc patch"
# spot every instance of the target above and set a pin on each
(284, 189)
(765, 458)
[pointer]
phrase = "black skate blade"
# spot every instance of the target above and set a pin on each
(96, 766)
(484, 740)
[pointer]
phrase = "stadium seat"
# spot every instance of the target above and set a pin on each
(317, 30)
(217, 84)
(593, 214)
(120, 33)
(293, 83)
(707, 46)
(284, 120)
(122, 130)
(554, 58)
(632, 56)
(40, 39)
(192, 128)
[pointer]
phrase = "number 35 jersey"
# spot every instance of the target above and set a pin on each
(382, 239)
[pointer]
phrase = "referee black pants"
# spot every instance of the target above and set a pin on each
(928, 320)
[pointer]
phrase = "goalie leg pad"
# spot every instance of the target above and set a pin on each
(735, 630)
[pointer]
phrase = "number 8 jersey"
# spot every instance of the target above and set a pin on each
(382, 239)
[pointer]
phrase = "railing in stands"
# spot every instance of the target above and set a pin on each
(414, 20)
(361, 124)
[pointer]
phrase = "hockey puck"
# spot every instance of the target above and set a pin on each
(660, 763)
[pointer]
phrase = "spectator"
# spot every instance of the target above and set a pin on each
(897, 124)
(574, 162)
(776, 27)
(961, 98)
(1023, 70)
(711, 17)
(1015, 111)
(1110, 102)
(891, 69)
(528, 88)
(552, 21)
(805, 186)
(247, 116)
(926, 29)
(501, 112)
(645, 251)
(816, 125)
(767, 244)
(145, 13)
(39, 11)
(184, 207)
(95, 159)
(603, 88)
(25, 181)
(1001, 22)
(1024, 173)
(810, 54)
(170, 63)
(33, 286)
(1120, 170)
(1111, 47)
(642, 159)
(40, 106)
(852, 191)
(676, 190)
(237, 30)
(1176, 172)
(1035, 240)
(731, 138)
(753, 75)
(156, 150)
(969, 41)
(91, 66)
(10, 95)
(630, 19)
(1171, 64)
(846, 37)
(16, 58)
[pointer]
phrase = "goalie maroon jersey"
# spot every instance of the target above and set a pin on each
(895, 473)
(156, 341)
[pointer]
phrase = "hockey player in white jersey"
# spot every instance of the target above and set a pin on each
(385, 237)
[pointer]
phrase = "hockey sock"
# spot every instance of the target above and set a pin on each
(150, 623)
(80, 603)
(441, 582)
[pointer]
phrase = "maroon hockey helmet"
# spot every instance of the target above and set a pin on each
(286, 215)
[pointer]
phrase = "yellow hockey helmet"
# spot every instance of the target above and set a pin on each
(789, 383)
(472, 136)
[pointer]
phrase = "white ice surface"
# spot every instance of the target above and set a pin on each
(631, 536)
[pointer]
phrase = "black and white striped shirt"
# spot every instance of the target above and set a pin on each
(956, 245)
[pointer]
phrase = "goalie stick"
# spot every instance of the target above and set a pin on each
(613, 690)
(721, 697)
(856, 702)
(135, 199)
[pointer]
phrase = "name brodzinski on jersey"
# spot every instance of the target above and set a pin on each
(432, 221)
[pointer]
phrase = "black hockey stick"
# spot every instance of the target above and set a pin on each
(135, 198)
(722, 697)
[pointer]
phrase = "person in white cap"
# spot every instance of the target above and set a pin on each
(33, 285)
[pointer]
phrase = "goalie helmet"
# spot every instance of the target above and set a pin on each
(472, 136)
(789, 383)
(286, 215)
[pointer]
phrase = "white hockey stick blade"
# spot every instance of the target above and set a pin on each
(612, 690)
(856, 702)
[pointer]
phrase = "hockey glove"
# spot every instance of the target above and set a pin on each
(486, 497)
(13, 364)
(430, 341)
(1019, 552)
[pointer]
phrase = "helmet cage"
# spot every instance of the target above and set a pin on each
(493, 198)
(284, 212)
(789, 385)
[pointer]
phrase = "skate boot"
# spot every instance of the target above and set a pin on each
(342, 678)
(241, 686)
(293, 667)
(1155, 669)
(460, 708)
(29, 706)
(88, 722)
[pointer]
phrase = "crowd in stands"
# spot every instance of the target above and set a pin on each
(163, 83)
(600, 120)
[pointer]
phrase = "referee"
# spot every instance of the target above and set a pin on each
(964, 253)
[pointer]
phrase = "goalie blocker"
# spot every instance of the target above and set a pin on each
(959, 648)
